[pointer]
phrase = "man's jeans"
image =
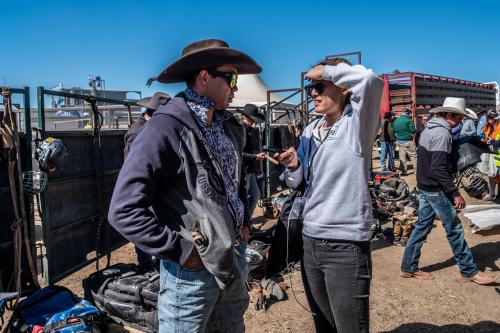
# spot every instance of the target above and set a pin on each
(193, 302)
(492, 186)
(430, 204)
(253, 192)
(407, 151)
(337, 276)
(387, 150)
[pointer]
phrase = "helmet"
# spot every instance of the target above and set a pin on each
(492, 113)
(51, 154)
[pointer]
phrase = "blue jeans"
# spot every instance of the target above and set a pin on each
(387, 149)
(430, 204)
(191, 301)
(253, 192)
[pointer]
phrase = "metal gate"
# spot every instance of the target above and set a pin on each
(76, 200)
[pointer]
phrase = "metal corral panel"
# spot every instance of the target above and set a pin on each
(77, 197)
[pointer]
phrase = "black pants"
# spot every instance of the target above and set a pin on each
(337, 276)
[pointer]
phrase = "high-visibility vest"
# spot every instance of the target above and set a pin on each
(492, 131)
(496, 155)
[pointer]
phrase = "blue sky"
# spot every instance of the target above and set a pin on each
(50, 42)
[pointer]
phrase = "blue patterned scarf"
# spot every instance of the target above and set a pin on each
(220, 146)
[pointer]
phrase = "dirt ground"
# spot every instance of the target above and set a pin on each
(446, 304)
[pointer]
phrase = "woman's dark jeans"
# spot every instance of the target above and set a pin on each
(337, 276)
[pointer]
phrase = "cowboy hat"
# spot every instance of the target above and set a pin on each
(251, 111)
(205, 54)
(451, 105)
(154, 101)
(471, 114)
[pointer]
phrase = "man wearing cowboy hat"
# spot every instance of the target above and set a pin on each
(440, 196)
(387, 140)
(149, 105)
(187, 165)
(469, 127)
(252, 153)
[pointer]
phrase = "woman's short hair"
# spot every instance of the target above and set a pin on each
(334, 62)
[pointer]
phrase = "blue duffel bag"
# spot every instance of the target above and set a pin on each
(57, 310)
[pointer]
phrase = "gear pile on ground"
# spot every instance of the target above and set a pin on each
(393, 202)
(262, 289)
(402, 225)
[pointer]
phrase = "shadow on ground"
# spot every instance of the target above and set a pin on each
(485, 255)
(481, 327)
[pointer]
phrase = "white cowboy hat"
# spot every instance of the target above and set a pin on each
(471, 114)
(451, 105)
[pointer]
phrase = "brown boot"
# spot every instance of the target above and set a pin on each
(483, 278)
(419, 275)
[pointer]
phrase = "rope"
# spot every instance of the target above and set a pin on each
(150, 81)
(129, 115)
(20, 225)
(97, 120)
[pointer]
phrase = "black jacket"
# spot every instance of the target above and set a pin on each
(434, 162)
(253, 146)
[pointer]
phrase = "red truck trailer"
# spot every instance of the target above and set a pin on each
(422, 92)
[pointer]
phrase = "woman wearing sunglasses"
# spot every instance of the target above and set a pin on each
(334, 158)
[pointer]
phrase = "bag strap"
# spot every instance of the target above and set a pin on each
(333, 131)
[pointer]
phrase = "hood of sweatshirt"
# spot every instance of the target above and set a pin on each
(438, 122)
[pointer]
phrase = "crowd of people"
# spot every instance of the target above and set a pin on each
(193, 174)
(401, 133)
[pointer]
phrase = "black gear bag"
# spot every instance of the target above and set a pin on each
(125, 296)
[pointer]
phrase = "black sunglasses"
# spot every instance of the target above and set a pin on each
(318, 86)
(230, 77)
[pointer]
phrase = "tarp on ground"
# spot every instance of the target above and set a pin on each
(483, 217)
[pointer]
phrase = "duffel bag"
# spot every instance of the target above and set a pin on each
(55, 309)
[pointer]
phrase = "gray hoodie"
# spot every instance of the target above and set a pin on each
(338, 204)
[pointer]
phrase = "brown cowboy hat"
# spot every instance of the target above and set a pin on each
(205, 54)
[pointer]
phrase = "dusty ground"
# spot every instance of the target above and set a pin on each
(447, 304)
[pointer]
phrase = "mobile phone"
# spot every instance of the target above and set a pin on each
(273, 150)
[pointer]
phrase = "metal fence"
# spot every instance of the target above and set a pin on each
(76, 199)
